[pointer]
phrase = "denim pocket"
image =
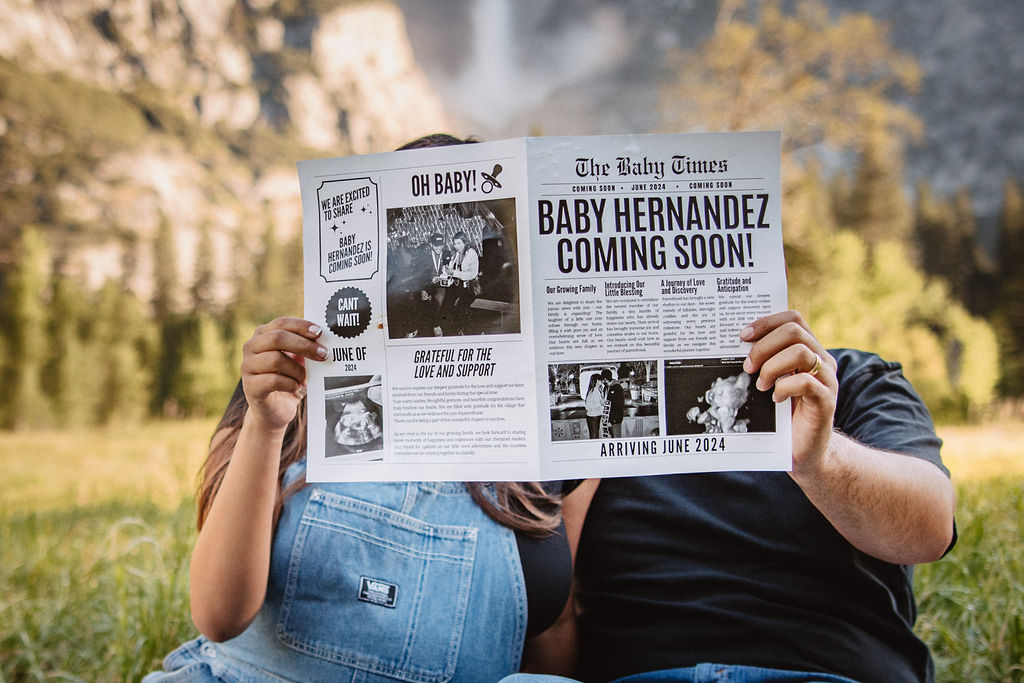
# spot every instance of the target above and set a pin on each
(377, 590)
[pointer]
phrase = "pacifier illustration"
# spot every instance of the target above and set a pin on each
(490, 180)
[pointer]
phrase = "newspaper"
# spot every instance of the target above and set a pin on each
(543, 308)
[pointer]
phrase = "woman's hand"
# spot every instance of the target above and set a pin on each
(274, 371)
(231, 560)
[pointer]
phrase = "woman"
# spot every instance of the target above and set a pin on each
(463, 275)
(595, 405)
(367, 581)
(398, 581)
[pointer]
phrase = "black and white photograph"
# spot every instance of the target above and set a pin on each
(715, 396)
(603, 400)
(452, 270)
(354, 418)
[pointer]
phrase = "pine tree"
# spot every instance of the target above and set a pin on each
(167, 318)
(877, 207)
(126, 335)
(972, 260)
(271, 276)
(202, 290)
(24, 329)
(1008, 311)
(934, 221)
(70, 377)
(242, 277)
(945, 236)
(204, 380)
(166, 281)
(291, 292)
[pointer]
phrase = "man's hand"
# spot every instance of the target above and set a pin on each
(893, 506)
(794, 362)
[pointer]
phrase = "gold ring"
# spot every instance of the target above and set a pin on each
(817, 366)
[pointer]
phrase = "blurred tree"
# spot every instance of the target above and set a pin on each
(165, 272)
(278, 282)
(830, 85)
(1008, 304)
(169, 322)
(23, 313)
(291, 296)
(810, 225)
(201, 291)
(204, 381)
(242, 277)
(172, 347)
(876, 299)
(945, 233)
(875, 205)
(271, 271)
(127, 336)
(823, 82)
(70, 372)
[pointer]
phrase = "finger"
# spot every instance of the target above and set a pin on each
(274, 362)
(795, 359)
(763, 326)
(263, 385)
(805, 387)
(295, 339)
(296, 325)
(789, 334)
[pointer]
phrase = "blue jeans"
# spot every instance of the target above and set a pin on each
(703, 673)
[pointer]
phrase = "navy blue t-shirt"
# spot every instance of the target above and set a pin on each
(740, 568)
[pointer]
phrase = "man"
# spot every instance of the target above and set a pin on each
(427, 270)
(616, 403)
(745, 576)
(400, 294)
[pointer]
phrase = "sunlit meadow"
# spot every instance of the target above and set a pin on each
(96, 527)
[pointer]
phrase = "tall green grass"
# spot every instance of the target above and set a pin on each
(971, 603)
(93, 593)
(96, 530)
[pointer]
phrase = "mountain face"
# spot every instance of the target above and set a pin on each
(117, 115)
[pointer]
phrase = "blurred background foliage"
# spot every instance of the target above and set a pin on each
(872, 264)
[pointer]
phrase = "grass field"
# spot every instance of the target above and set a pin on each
(96, 528)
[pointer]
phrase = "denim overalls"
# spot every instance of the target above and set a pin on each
(373, 582)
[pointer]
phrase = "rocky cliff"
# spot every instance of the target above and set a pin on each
(118, 115)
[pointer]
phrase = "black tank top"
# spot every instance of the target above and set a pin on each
(547, 569)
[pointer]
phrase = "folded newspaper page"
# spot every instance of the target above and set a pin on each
(543, 308)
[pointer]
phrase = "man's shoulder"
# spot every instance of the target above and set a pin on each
(855, 364)
(857, 369)
(878, 406)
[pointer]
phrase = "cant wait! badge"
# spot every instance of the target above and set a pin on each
(348, 312)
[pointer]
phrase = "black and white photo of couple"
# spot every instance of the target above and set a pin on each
(452, 270)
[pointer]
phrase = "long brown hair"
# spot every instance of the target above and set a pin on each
(222, 447)
(523, 506)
